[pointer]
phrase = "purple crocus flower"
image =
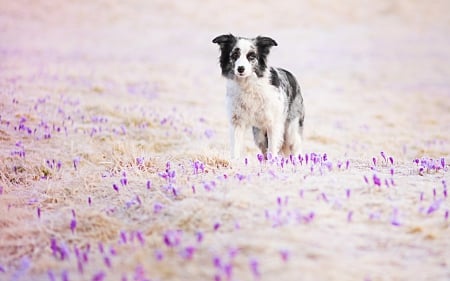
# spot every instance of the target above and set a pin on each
(376, 180)
(101, 248)
(76, 162)
(157, 207)
(228, 270)
(73, 225)
(65, 275)
(254, 267)
(199, 236)
(123, 237)
(434, 207)
(107, 262)
(149, 184)
(172, 238)
(115, 187)
(349, 216)
(366, 180)
(188, 252)
(159, 255)
(384, 156)
(394, 220)
(140, 237)
(140, 161)
(100, 276)
(217, 262)
(284, 255)
(209, 133)
(51, 275)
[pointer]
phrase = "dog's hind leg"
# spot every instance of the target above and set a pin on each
(261, 140)
(293, 137)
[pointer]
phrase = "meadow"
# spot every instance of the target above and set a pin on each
(114, 151)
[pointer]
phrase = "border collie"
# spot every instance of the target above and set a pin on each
(267, 99)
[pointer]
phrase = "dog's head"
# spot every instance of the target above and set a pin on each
(241, 57)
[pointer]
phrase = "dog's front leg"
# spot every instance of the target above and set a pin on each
(237, 140)
(275, 139)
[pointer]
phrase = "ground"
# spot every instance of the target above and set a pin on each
(115, 155)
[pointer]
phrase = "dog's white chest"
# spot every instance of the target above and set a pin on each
(253, 103)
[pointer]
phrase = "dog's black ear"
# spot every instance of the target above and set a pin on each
(266, 42)
(224, 39)
(263, 45)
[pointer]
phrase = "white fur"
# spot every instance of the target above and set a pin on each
(253, 101)
(245, 46)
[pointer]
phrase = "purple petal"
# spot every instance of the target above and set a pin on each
(217, 262)
(99, 276)
(284, 255)
(254, 267)
(159, 255)
(51, 275)
(366, 179)
(65, 275)
(123, 237)
(188, 252)
(349, 216)
(382, 155)
(107, 262)
(140, 237)
(199, 236)
(434, 207)
(73, 225)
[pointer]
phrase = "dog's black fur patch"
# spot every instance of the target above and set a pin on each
(263, 45)
(274, 79)
(226, 43)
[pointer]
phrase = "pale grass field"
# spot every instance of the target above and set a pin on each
(115, 156)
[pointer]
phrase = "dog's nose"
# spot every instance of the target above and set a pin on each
(240, 69)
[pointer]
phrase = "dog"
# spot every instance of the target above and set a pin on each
(265, 98)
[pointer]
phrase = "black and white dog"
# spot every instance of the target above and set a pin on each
(265, 98)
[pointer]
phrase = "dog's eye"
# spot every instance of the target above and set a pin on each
(251, 56)
(235, 55)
